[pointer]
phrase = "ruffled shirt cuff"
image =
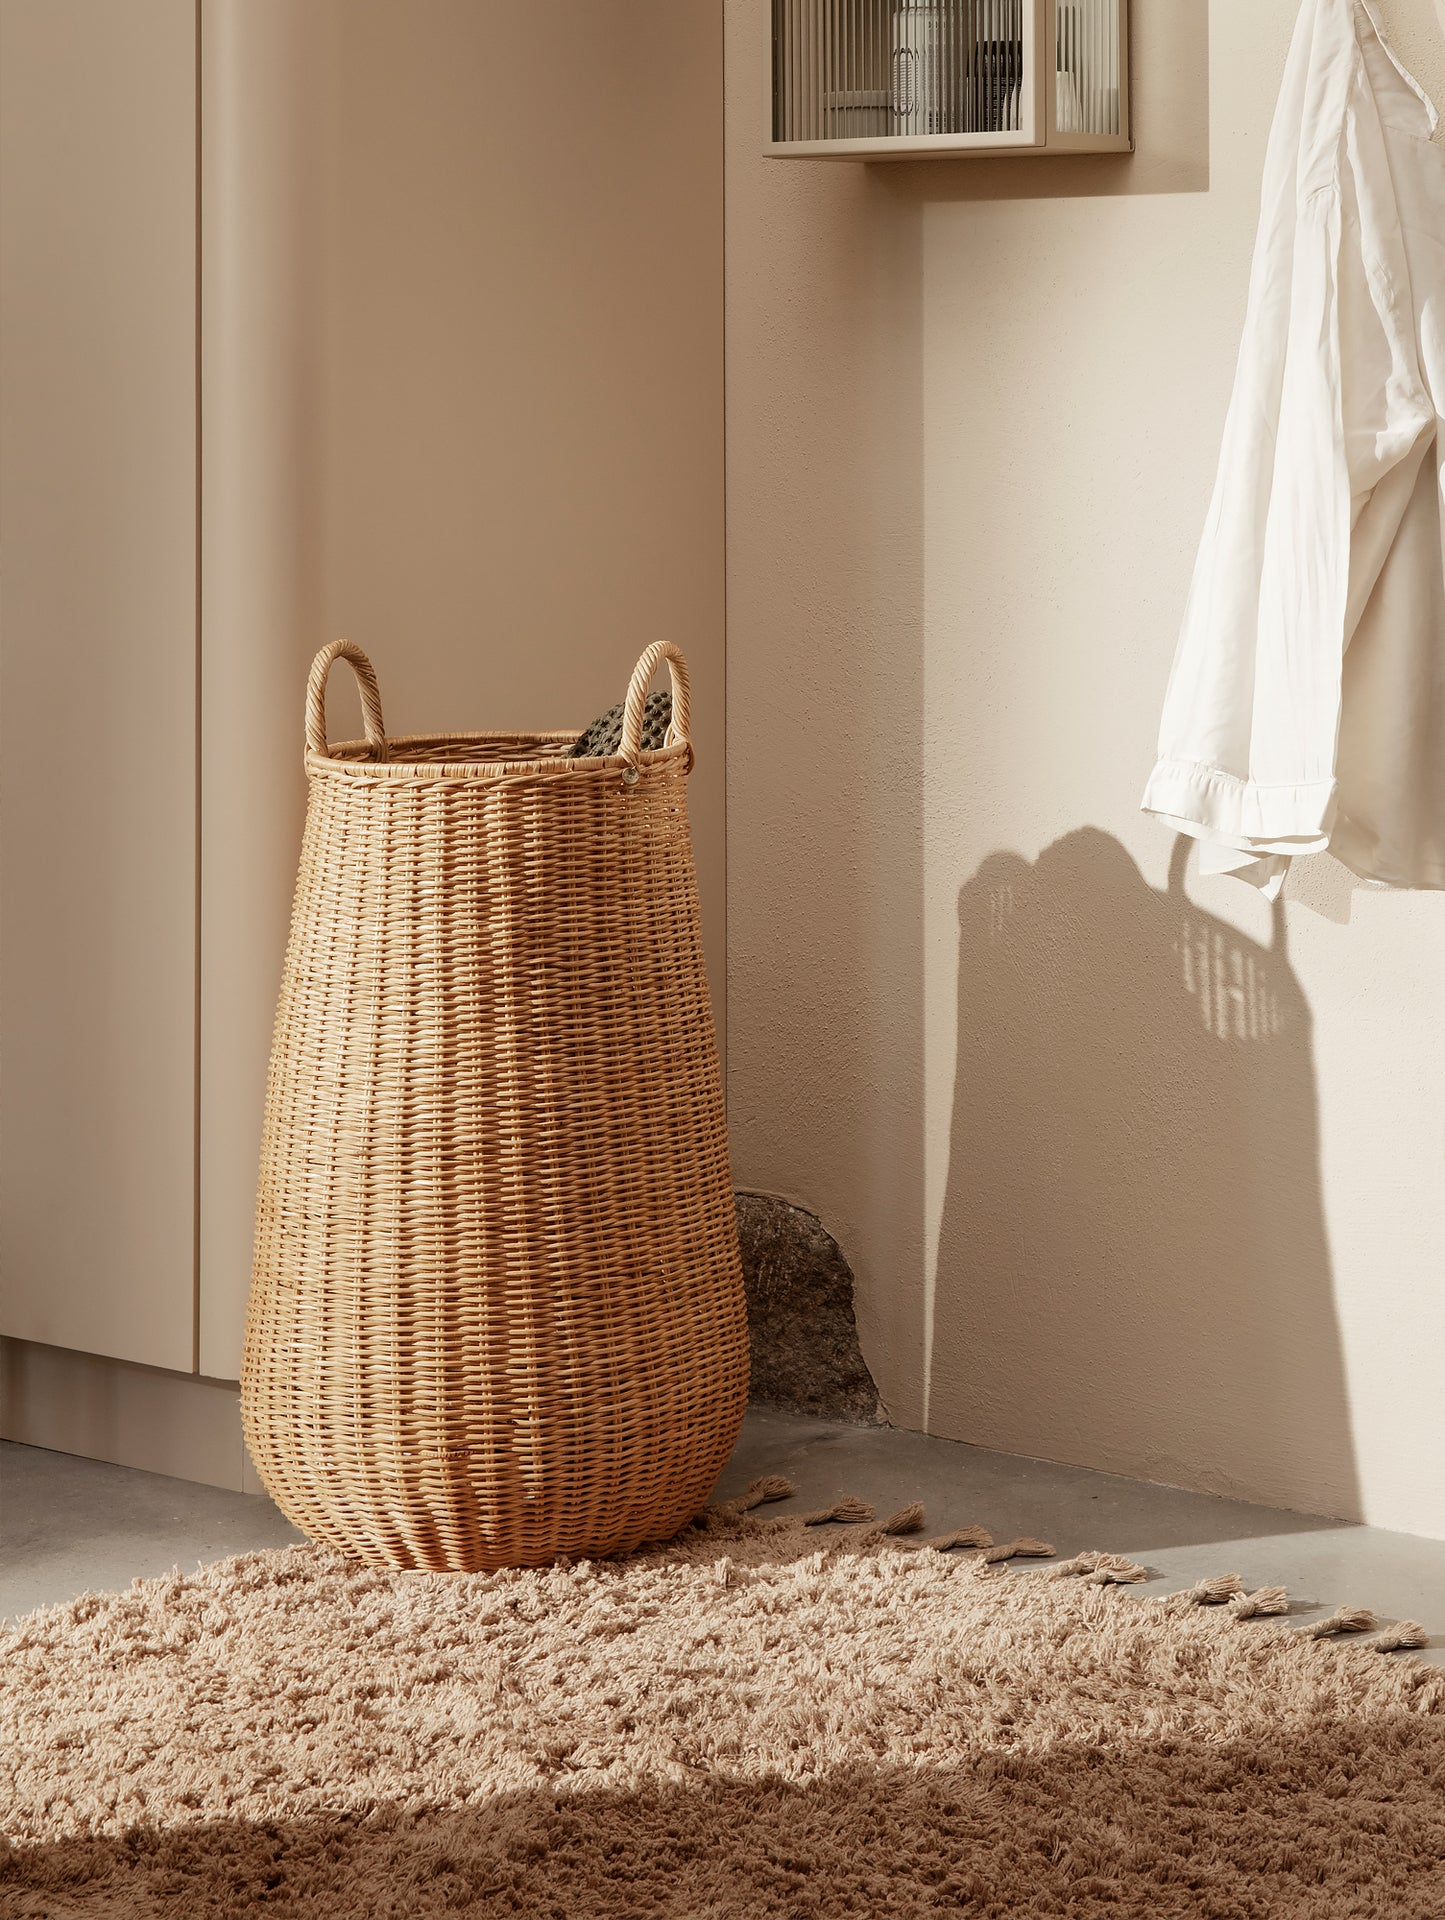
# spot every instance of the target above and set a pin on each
(1247, 829)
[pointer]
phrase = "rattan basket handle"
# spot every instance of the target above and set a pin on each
(370, 698)
(680, 729)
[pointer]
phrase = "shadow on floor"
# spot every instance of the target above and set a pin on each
(1133, 1266)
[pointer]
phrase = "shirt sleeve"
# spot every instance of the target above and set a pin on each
(1328, 402)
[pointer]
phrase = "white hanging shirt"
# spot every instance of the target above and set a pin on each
(1306, 707)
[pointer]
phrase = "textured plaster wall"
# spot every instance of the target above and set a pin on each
(825, 612)
(1134, 1171)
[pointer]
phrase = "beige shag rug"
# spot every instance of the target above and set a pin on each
(819, 1723)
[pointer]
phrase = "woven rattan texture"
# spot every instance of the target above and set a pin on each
(496, 1313)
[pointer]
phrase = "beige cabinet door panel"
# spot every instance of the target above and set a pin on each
(98, 676)
(463, 404)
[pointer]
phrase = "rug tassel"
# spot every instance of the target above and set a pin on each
(1213, 1592)
(1343, 1620)
(907, 1520)
(961, 1537)
(1019, 1550)
(1251, 1606)
(1101, 1570)
(772, 1486)
(848, 1512)
(1404, 1633)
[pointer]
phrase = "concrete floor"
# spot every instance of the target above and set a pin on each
(68, 1525)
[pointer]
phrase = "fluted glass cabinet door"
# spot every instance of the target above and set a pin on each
(906, 79)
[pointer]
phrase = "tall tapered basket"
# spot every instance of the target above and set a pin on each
(496, 1313)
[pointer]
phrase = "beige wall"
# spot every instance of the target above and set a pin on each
(463, 391)
(1181, 1206)
(825, 717)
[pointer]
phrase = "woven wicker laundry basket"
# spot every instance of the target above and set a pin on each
(496, 1312)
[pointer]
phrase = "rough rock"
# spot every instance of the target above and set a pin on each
(806, 1356)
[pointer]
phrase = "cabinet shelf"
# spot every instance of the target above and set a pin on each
(909, 79)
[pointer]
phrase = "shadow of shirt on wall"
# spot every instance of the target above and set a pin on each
(1133, 1270)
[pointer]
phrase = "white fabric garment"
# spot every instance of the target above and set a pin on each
(1306, 707)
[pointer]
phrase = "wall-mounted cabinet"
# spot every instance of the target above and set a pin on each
(905, 79)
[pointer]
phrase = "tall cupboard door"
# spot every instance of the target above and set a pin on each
(98, 676)
(464, 405)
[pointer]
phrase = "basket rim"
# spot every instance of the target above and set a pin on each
(398, 766)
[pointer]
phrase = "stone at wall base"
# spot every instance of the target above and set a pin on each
(806, 1356)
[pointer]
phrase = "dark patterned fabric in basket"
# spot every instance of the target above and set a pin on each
(604, 736)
